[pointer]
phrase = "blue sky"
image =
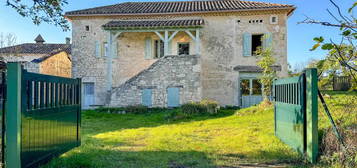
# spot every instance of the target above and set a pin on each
(299, 35)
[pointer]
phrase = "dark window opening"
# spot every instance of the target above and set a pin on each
(183, 48)
(256, 43)
(273, 19)
(159, 49)
(87, 28)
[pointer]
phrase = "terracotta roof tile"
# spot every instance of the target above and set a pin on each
(36, 48)
(178, 7)
(123, 24)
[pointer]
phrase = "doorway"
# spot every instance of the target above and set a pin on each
(88, 95)
(250, 92)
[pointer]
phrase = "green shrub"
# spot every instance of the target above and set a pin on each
(210, 106)
(192, 108)
(136, 109)
(202, 107)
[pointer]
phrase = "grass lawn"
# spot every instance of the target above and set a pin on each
(230, 139)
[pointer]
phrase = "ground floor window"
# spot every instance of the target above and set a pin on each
(183, 48)
(250, 92)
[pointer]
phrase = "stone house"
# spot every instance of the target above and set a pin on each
(41, 57)
(168, 53)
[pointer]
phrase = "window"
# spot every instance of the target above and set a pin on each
(273, 19)
(159, 49)
(87, 28)
(183, 48)
(105, 49)
(256, 43)
(245, 88)
(257, 87)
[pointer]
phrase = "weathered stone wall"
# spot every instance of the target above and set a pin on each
(57, 65)
(32, 67)
(221, 47)
(170, 71)
(222, 50)
(20, 57)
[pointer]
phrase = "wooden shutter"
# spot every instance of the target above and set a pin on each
(146, 98)
(173, 97)
(148, 48)
(97, 49)
(247, 44)
(268, 40)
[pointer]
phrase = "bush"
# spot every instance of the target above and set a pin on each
(136, 109)
(202, 107)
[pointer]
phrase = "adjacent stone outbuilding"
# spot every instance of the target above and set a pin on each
(41, 57)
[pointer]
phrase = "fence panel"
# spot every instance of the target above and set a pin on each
(49, 118)
(341, 83)
(296, 112)
(289, 111)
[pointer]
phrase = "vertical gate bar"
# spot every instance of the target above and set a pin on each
(79, 102)
(41, 94)
(311, 114)
(13, 116)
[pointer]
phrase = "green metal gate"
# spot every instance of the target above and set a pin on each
(42, 117)
(296, 112)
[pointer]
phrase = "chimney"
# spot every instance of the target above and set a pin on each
(68, 40)
(39, 39)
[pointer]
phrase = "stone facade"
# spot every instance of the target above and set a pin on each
(221, 51)
(57, 65)
(182, 72)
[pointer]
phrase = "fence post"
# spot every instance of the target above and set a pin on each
(311, 114)
(13, 116)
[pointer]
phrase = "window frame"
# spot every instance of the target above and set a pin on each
(178, 47)
(158, 51)
(254, 50)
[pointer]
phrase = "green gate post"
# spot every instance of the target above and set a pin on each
(13, 116)
(311, 115)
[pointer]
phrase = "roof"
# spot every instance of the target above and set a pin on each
(202, 6)
(246, 68)
(127, 24)
(35, 48)
(39, 39)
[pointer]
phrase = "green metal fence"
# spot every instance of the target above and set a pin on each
(295, 102)
(42, 117)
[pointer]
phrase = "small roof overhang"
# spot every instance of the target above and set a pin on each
(245, 68)
(153, 24)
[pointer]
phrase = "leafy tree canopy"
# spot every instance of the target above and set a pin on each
(49, 11)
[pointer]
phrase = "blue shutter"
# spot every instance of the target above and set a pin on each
(268, 40)
(173, 97)
(148, 50)
(97, 49)
(247, 44)
(146, 99)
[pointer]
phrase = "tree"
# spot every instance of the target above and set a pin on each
(266, 62)
(345, 56)
(49, 11)
(8, 39)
